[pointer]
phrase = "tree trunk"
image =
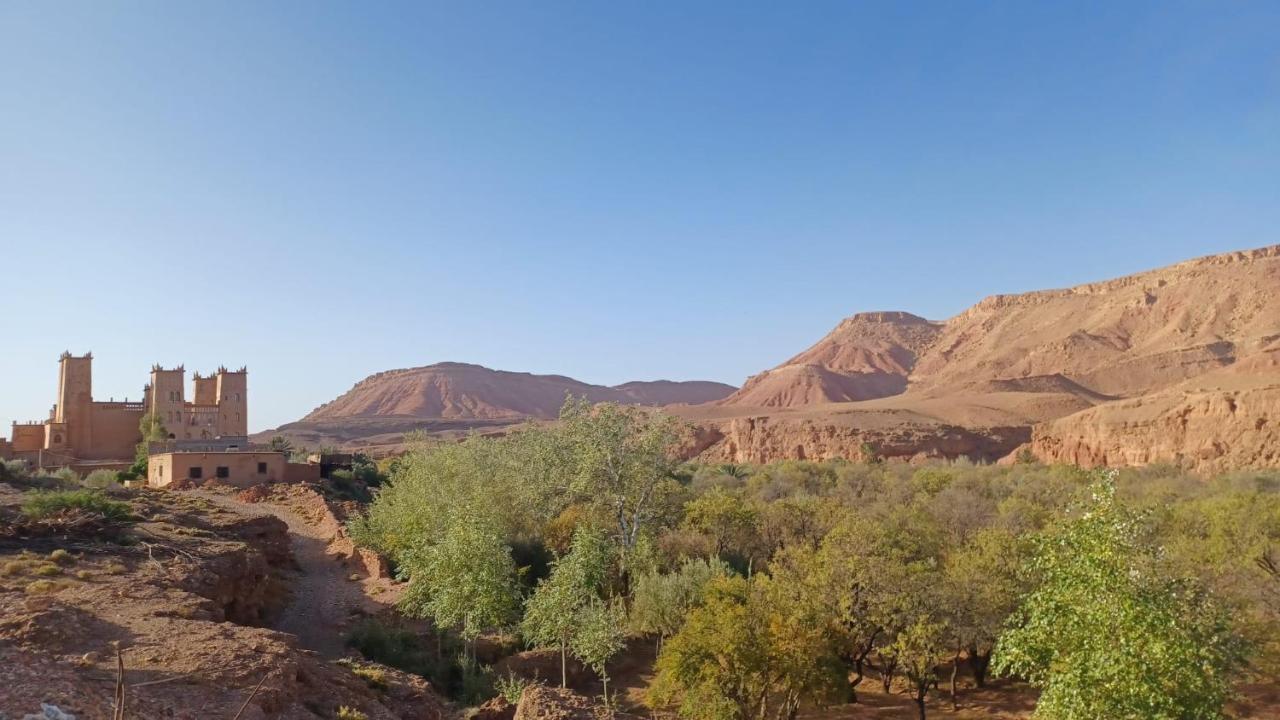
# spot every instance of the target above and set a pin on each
(920, 702)
(564, 673)
(978, 664)
(886, 675)
(604, 679)
(955, 666)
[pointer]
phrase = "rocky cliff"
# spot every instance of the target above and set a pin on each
(1170, 365)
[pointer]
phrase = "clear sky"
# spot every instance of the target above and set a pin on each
(607, 190)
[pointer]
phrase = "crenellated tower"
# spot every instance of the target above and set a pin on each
(166, 400)
(233, 401)
(71, 425)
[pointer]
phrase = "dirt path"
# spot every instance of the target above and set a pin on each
(325, 599)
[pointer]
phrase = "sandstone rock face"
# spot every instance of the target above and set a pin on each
(1223, 421)
(763, 439)
(1171, 365)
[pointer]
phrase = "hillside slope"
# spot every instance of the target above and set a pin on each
(1100, 357)
(451, 399)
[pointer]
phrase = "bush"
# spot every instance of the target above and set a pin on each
(346, 713)
(46, 504)
(101, 480)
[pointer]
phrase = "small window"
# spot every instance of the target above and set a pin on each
(195, 473)
(223, 471)
(57, 439)
(262, 468)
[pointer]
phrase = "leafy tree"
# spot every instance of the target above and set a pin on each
(725, 518)
(621, 459)
(919, 648)
(577, 579)
(983, 584)
(152, 429)
(1107, 635)
(749, 651)
(466, 581)
(601, 634)
(660, 601)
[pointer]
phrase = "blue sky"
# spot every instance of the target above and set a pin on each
(612, 191)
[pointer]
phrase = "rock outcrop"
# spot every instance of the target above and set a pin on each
(1168, 365)
(1222, 421)
(763, 439)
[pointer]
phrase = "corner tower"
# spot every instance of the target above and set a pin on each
(233, 402)
(72, 417)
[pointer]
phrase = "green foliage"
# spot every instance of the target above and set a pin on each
(660, 601)
(101, 480)
(601, 634)
(466, 581)
(725, 518)
(1106, 633)
(279, 443)
(46, 504)
(622, 460)
(577, 580)
(753, 649)
(511, 687)
(395, 647)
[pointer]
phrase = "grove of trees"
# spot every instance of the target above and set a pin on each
(1143, 593)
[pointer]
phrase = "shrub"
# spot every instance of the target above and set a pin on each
(346, 713)
(47, 570)
(101, 480)
(43, 587)
(46, 504)
(62, 557)
(511, 687)
(14, 567)
(116, 569)
(374, 677)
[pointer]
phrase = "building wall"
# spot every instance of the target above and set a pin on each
(115, 431)
(244, 469)
(206, 390)
(27, 438)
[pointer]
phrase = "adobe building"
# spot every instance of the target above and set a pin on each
(239, 468)
(80, 428)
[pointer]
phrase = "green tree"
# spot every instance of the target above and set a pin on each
(621, 459)
(660, 601)
(552, 613)
(152, 429)
(753, 649)
(723, 517)
(601, 634)
(1107, 635)
(983, 585)
(919, 647)
(465, 581)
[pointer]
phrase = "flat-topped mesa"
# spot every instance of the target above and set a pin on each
(465, 391)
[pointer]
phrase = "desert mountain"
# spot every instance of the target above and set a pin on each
(1100, 371)
(869, 355)
(452, 398)
(463, 391)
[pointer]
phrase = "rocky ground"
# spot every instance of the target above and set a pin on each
(194, 601)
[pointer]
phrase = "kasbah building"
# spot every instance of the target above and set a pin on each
(207, 435)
